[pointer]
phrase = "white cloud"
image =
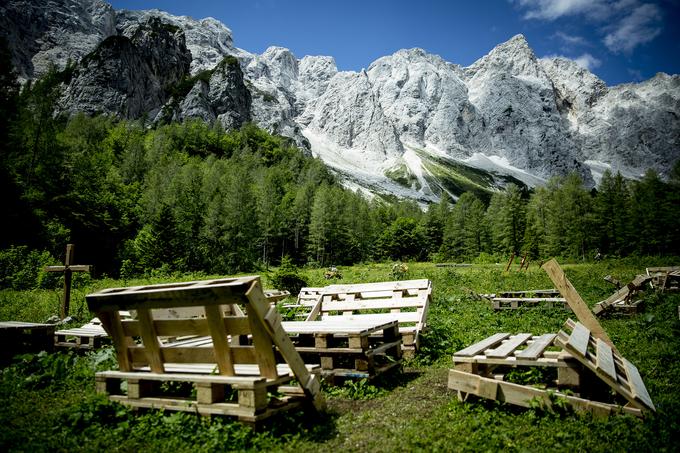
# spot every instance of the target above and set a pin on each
(587, 61)
(554, 9)
(571, 39)
(625, 24)
(639, 27)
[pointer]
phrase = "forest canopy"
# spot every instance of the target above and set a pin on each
(190, 196)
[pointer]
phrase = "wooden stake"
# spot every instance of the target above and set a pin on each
(512, 258)
(578, 306)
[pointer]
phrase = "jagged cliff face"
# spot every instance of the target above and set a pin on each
(412, 124)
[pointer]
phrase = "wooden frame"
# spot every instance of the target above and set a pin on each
(406, 301)
(606, 363)
(224, 360)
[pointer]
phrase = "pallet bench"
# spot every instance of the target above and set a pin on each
(355, 349)
(405, 301)
(232, 308)
(581, 358)
(19, 337)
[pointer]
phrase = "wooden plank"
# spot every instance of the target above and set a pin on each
(637, 387)
(530, 299)
(526, 396)
(272, 323)
(225, 362)
(150, 340)
(379, 317)
(121, 343)
(486, 343)
(605, 359)
(536, 349)
(263, 346)
(508, 346)
(578, 306)
(579, 338)
(208, 292)
(371, 304)
(378, 286)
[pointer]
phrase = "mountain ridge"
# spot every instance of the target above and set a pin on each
(385, 128)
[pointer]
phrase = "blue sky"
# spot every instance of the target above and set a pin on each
(619, 40)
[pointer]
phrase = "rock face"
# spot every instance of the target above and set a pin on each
(398, 127)
(53, 32)
(129, 76)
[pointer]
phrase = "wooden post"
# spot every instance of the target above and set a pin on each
(512, 258)
(578, 306)
(68, 268)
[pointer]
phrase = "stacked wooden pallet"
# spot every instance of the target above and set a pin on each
(404, 301)
(580, 355)
(228, 379)
(355, 349)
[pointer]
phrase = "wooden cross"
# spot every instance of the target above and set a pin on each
(68, 268)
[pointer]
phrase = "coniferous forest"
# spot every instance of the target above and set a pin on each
(192, 197)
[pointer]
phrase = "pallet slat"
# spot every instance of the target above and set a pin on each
(482, 345)
(508, 347)
(536, 349)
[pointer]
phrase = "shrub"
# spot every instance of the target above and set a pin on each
(287, 277)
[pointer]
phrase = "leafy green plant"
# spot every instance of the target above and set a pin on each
(287, 277)
(356, 390)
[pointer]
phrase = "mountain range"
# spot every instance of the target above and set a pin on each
(411, 124)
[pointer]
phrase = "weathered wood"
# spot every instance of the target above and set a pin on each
(199, 354)
(507, 347)
(526, 396)
(67, 269)
(482, 345)
(579, 339)
(626, 379)
(578, 306)
(537, 347)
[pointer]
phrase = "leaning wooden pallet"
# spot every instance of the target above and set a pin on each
(406, 301)
(625, 299)
(475, 371)
(307, 299)
(621, 375)
(229, 380)
(348, 349)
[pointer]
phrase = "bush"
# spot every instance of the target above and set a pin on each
(287, 277)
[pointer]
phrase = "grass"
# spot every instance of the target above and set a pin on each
(48, 401)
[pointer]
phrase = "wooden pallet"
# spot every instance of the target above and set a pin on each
(348, 349)
(495, 355)
(306, 301)
(19, 337)
(89, 336)
(665, 278)
(406, 301)
(153, 360)
(625, 299)
(611, 367)
(515, 303)
(525, 396)
(246, 395)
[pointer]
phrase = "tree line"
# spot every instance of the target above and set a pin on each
(193, 197)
